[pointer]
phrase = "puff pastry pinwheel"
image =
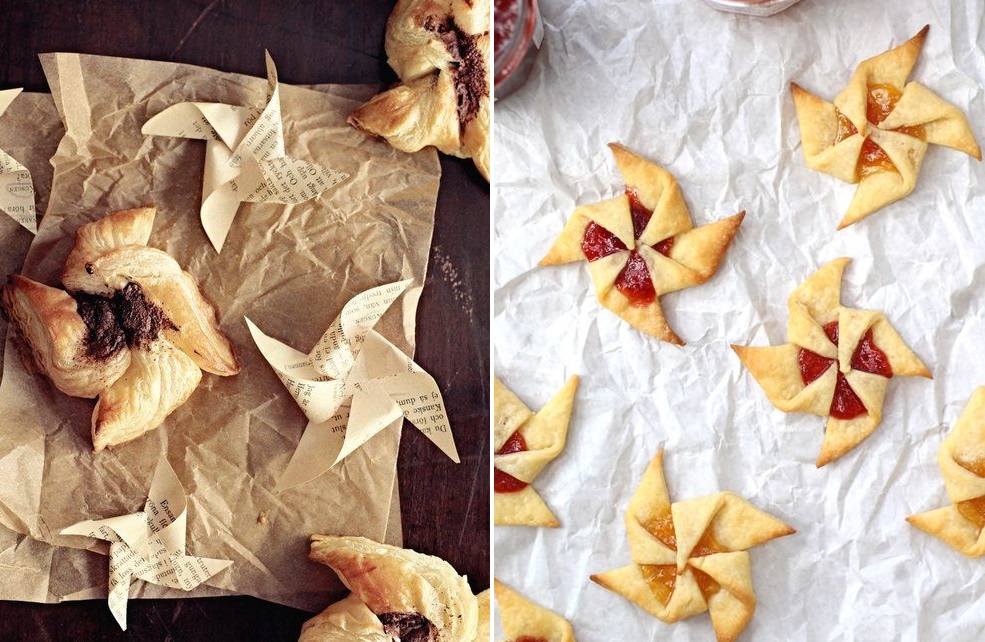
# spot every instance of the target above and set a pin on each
(397, 594)
(642, 245)
(837, 364)
(962, 462)
(524, 621)
(133, 328)
(877, 130)
(440, 49)
(524, 443)
(691, 556)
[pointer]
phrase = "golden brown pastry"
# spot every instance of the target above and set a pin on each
(524, 621)
(440, 49)
(411, 597)
(877, 130)
(690, 556)
(524, 444)
(837, 364)
(962, 462)
(642, 245)
(133, 328)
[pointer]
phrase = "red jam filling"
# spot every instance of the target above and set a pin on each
(504, 482)
(846, 404)
(812, 366)
(634, 281)
(641, 215)
(665, 246)
(599, 242)
(869, 358)
(506, 14)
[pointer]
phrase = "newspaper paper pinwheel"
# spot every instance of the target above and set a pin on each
(16, 188)
(352, 385)
(150, 544)
(245, 160)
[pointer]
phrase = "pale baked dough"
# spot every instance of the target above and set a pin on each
(960, 525)
(918, 118)
(391, 580)
(545, 434)
(697, 548)
(440, 49)
(524, 619)
(694, 257)
(812, 305)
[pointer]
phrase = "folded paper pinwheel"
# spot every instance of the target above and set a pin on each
(353, 384)
(691, 556)
(245, 157)
(16, 188)
(962, 462)
(150, 544)
(837, 364)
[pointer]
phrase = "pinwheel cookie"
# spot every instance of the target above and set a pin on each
(877, 130)
(837, 364)
(691, 556)
(133, 328)
(440, 49)
(524, 443)
(962, 462)
(642, 245)
(524, 621)
(397, 594)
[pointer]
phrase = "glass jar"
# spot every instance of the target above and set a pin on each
(518, 32)
(752, 7)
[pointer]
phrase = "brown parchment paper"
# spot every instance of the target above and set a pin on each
(289, 267)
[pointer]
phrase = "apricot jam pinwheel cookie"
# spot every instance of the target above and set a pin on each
(524, 443)
(877, 130)
(837, 364)
(642, 245)
(962, 462)
(524, 621)
(691, 556)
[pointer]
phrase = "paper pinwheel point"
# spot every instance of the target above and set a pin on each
(245, 159)
(16, 188)
(352, 385)
(837, 364)
(691, 556)
(150, 544)
(876, 132)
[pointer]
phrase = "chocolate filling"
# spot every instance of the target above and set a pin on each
(128, 318)
(408, 627)
(469, 69)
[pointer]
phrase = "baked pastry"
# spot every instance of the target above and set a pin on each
(524, 621)
(440, 49)
(877, 130)
(837, 364)
(690, 556)
(524, 443)
(962, 462)
(133, 328)
(642, 245)
(397, 594)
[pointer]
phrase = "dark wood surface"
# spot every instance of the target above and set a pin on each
(445, 507)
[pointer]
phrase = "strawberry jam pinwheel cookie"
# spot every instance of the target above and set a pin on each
(837, 364)
(691, 556)
(524, 621)
(642, 245)
(876, 132)
(962, 462)
(524, 443)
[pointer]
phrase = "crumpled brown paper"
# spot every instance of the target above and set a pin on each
(233, 437)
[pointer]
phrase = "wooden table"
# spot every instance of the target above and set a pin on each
(445, 506)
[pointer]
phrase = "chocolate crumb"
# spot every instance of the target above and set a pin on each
(127, 319)
(141, 320)
(469, 70)
(408, 627)
(104, 336)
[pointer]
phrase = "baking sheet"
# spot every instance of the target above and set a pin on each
(373, 228)
(705, 94)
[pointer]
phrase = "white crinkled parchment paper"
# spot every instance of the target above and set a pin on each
(706, 95)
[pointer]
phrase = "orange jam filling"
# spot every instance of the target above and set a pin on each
(706, 583)
(663, 529)
(846, 128)
(873, 159)
(880, 102)
(661, 579)
(974, 509)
